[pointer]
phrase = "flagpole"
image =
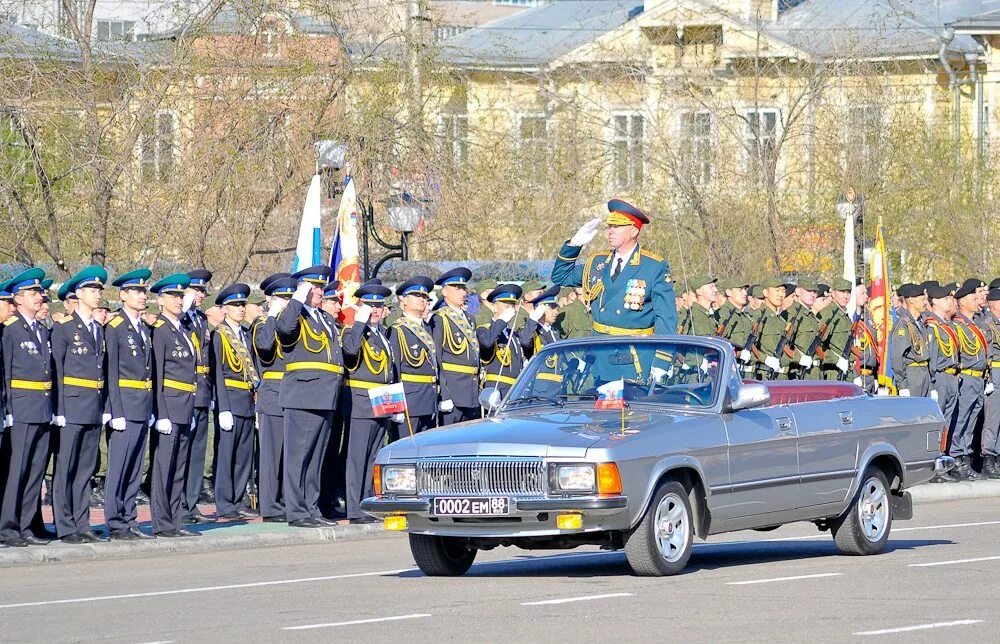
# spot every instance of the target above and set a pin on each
(623, 415)
(409, 425)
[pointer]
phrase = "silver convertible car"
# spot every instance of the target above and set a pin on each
(643, 444)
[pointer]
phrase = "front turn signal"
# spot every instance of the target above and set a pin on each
(395, 523)
(377, 479)
(609, 482)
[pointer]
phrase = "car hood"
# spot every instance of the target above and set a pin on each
(566, 433)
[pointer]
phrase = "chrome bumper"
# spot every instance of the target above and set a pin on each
(943, 464)
(384, 506)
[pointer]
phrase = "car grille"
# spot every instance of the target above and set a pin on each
(481, 477)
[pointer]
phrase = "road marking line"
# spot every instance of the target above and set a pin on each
(356, 621)
(953, 561)
(773, 579)
(921, 627)
(894, 530)
(585, 598)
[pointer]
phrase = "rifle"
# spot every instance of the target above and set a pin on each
(816, 347)
(719, 330)
(786, 337)
(751, 342)
(847, 349)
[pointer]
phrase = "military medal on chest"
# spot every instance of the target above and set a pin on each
(30, 347)
(131, 344)
(635, 294)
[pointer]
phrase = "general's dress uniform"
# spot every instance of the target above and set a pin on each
(503, 348)
(130, 402)
(548, 380)
(314, 370)
(78, 355)
(458, 353)
(991, 417)
(198, 466)
(27, 368)
(415, 361)
(627, 297)
(235, 381)
(973, 367)
(270, 415)
(175, 371)
(910, 353)
(370, 364)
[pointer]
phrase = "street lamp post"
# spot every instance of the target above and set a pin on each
(405, 214)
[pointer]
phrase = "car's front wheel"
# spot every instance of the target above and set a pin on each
(661, 544)
(441, 556)
(864, 528)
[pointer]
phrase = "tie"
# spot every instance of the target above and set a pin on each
(142, 333)
(34, 329)
(322, 322)
(93, 330)
(617, 270)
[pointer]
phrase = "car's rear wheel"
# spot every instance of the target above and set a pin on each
(441, 556)
(864, 528)
(661, 544)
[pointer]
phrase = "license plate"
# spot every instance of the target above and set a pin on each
(472, 506)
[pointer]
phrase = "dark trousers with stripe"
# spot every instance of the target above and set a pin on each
(29, 454)
(306, 432)
(233, 466)
(402, 430)
(126, 452)
(970, 402)
(170, 452)
(75, 463)
(193, 471)
(367, 436)
(269, 472)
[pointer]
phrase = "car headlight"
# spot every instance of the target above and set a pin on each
(575, 478)
(399, 479)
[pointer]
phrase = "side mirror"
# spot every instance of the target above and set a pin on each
(490, 399)
(751, 395)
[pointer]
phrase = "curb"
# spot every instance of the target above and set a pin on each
(930, 492)
(58, 553)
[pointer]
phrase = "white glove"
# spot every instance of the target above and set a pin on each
(105, 418)
(586, 233)
(658, 373)
(508, 314)
(399, 418)
(152, 420)
(745, 355)
(934, 395)
(163, 426)
(301, 293)
(843, 365)
(226, 421)
(363, 314)
(685, 367)
(806, 361)
(446, 405)
(859, 381)
(118, 424)
(905, 393)
(8, 420)
(59, 421)
(187, 301)
(537, 312)
(277, 305)
(772, 363)
(704, 365)
(581, 365)
(989, 388)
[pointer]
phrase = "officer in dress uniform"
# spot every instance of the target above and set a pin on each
(415, 357)
(944, 354)
(235, 381)
(990, 325)
(78, 354)
(333, 482)
(270, 361)
(910, 349)
(130, 402)
(175, 371)
(368, 357)
(839, 336)
(973, 367)
(314, 371)
(6, 308)
(333, 300)
(27, 370)
(771, 359)
(196, 324)
(541, 322)
(627, 287)
(503, 348)
(458, 349)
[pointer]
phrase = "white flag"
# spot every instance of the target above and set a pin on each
(308, 250)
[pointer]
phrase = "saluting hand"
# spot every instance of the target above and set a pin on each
(586, 233)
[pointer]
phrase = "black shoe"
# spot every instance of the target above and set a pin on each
(16, 542)
(207, 494)
(124, 535)
(197, 517)
(991, 467)
(92, 537)
(278, 519)
(965, 471)
(74, 539)
(168, 534)
(305, 523)
(142, 498)
(232, 516)
(326, 523)
(35, 541)
(140, 534)
(249, 514)
(363, 520)
(188, 533)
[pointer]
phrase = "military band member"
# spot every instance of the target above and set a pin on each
(235, 381)
(130, 402)
(971, 384)
(78, 355)
(27, 370)
(415, 357)
(503, 348)
(458, 350)
(270, 361)
(991, 418)
(314, 369)
(541, 324)
(175, 377)
(369, 361)
(910, 350)
(628, 288)
(771, 360)
(197, 325)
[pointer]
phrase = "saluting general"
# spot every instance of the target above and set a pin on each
(628, 288)
(413, 351)
(458, 351)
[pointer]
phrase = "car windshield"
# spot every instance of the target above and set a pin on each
(631, 371)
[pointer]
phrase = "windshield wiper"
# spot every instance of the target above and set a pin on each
(533, 397)
(577, 397)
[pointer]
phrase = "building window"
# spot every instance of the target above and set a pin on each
(454, 131)
(627, 140)
(117, 30)
(864, 132)
(761, 136)
(158, 148)
(443, 32)
(533, 140)
(696, 145)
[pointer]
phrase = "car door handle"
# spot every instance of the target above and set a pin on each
(846, 418)
(784, 424)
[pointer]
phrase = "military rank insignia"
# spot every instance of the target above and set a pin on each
(635, 294)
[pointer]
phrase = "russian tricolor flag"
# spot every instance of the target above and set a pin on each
(611, 395)
(388, 399)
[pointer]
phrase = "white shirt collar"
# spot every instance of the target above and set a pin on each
(134, 320)
(237, 328)
(625, 257)
(86, 320)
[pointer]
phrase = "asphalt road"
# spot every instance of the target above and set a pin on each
(937, 580)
